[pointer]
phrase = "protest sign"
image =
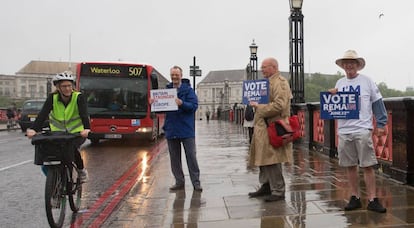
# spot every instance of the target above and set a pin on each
(164, 100)
(342, 105)
(255, 90)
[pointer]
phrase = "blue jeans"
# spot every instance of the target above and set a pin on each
(174, 147)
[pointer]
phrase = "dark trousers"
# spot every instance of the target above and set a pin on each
(174, 147)
(273, 175)
(250, 134)
(78, 158)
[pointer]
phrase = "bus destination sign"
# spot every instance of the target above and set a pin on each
(107, 70)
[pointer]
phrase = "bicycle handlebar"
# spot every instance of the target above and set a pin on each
(54, 137)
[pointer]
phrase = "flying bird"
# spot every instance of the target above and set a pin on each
(381, 15)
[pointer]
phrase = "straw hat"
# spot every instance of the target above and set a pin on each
(351, 54)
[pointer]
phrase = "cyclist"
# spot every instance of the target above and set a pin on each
(67, 110)
(10, 117)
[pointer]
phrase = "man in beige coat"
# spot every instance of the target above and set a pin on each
(262, 154)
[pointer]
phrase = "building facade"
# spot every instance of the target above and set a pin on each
(34, 80)
(222, 90)
(219, 91)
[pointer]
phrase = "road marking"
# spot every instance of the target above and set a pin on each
(104, 215)
(123, 185)
(21, 163)
(9, 140)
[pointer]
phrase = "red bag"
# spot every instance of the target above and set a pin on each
(281, 133)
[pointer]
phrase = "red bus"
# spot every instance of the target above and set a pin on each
(117, 96)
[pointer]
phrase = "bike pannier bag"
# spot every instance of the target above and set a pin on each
(53, 151)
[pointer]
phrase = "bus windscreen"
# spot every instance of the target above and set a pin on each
(125, 97)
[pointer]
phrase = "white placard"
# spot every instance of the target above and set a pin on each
(164, 100)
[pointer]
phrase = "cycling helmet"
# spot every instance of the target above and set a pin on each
(64, 76)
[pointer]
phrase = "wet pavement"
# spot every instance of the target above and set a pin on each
(316, 193)
(317, 190)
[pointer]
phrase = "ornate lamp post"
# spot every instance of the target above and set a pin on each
(253, 61)
(296, 57)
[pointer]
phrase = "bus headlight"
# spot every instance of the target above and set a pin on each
(144, 130)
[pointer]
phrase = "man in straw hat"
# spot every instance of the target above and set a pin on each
(355, 145)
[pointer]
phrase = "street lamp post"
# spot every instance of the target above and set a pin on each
(253, 60)
(296, 57)
(195, 71)
(221, 107)
(48, 86)
(226, 93)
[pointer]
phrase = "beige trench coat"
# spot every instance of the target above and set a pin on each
(261, 152)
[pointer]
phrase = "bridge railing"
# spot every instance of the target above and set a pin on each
(394, 151)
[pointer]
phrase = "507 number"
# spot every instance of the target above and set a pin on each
(135, 71)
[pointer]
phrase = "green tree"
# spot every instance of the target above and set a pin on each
(6, 102)
(386, 92)
(318, 82)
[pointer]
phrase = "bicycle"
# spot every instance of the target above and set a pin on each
(11, 123)
(55, 151)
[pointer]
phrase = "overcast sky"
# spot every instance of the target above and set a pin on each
(218, 32)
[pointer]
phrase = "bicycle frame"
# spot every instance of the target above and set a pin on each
(66, 170)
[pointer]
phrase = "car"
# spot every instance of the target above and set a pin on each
(29, 112)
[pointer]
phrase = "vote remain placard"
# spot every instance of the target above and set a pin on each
(256, 90)
(342, 105)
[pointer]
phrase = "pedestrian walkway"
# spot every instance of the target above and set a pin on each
(3, 127)
(317, 191)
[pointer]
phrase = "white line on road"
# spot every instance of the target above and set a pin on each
(21, 163)
(9, 140)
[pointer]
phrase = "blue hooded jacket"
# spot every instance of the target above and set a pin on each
(181, 123)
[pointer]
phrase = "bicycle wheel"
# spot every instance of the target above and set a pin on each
(75, 195)
(55, 199)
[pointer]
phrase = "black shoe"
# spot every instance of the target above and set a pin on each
(262, 191)
(176, 187)
(198, 188)
(273, 198)
(376, 206)
(354, 203)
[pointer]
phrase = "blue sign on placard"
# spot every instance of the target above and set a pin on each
(342, 105)
(256, 90)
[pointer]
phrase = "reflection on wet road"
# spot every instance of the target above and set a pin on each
(128, 187)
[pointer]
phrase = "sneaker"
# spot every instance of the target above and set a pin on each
(376, 206)
(83, 175)
(354, 203)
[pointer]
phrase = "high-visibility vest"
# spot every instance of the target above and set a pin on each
(67, 118)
